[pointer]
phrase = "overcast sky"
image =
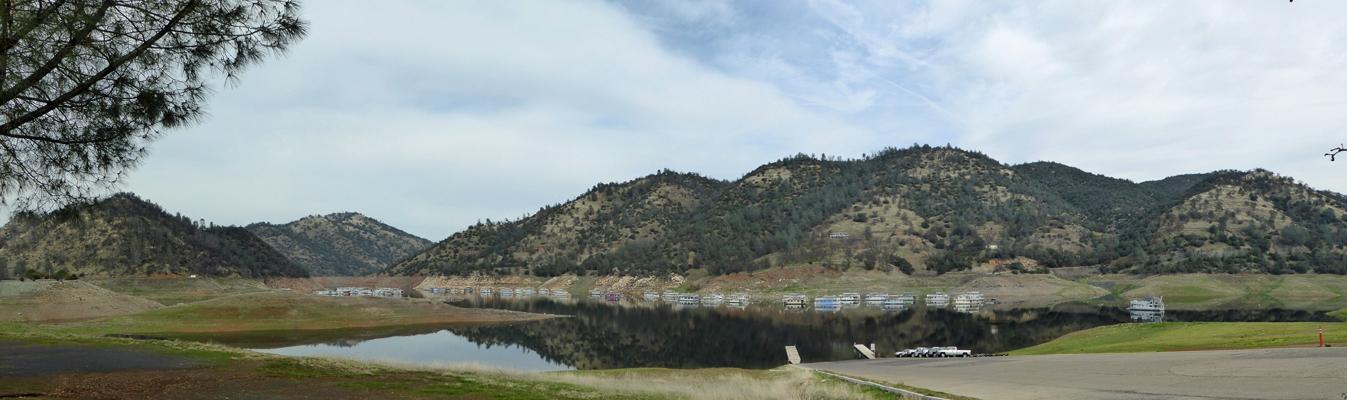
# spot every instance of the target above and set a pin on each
(432, 115)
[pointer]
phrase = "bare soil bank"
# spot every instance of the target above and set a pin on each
(309, 285)
(297, 311)
(51, 301)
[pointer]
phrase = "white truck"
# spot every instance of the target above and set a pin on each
(950, 351)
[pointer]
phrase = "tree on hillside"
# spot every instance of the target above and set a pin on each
(86, 85)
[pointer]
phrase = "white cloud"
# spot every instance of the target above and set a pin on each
(432, 115)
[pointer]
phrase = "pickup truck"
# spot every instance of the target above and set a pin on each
(950, 352)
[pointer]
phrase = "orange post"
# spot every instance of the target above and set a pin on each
(1321, 336)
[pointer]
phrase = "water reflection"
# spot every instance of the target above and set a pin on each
(1149, 317)
(629, 334)
(652, 334)
(442, 347)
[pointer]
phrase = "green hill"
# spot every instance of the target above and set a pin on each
(341, 244)
(125, 235)
(924, 208)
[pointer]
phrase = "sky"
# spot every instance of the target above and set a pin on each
(433, 115)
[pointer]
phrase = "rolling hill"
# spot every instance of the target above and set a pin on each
(341, 244)
(126, 235)
(932, 209)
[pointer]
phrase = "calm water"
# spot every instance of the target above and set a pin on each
(602, 335)
(441, 347)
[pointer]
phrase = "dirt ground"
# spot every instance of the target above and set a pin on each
(309, 285)
(51, 301)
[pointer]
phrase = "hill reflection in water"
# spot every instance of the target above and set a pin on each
(605, 335)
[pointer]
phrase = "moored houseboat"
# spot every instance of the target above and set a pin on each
(596, 293)
(1147, 304)
(794, 299)
(670, 297)
(968, 299)
(651, 295)
(876, 298)
(613, 296)
(689, 298)
(849, 298)
(937, 298)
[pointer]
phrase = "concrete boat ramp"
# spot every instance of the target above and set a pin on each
(1298, 373)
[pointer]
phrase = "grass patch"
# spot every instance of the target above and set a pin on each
(1339, 314)
(1170, 336)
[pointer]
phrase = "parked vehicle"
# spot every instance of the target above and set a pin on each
(921, 352)
(905, 353)
(951, 351)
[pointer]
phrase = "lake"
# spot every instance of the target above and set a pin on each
(630, 334)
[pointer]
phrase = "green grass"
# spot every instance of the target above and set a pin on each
(1339, 314)
(1170, 336)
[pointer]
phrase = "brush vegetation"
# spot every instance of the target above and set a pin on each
(126, 235)
(915, 210)
(341, 244)
(1174, 336)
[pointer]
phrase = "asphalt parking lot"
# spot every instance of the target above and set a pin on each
(1299, 373)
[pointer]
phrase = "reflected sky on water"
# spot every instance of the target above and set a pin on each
(441, 347)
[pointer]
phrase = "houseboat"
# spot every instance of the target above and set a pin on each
(905, 297)
(849, 298)
(613, 296)
(1148, 304)
(544, 292)
(670, 297)
(737, 299)
(713, 299)
(876, 298)
(651, 295)
(969, 299)
(595, 293)
(561, 294)
(506, 292)
(794, 299)
(937, 298)
(525, 292)
(484, 291)
(689, 299)
(822, 301)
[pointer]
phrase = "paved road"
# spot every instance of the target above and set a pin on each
(1308, 373)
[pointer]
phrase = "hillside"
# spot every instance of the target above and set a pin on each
(917, 210)
(125, 235)
(341, 244)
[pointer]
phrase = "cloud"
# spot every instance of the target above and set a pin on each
(433, 115)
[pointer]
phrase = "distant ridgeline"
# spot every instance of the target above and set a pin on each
(941, 209)
(124, 235)
(342, 244)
